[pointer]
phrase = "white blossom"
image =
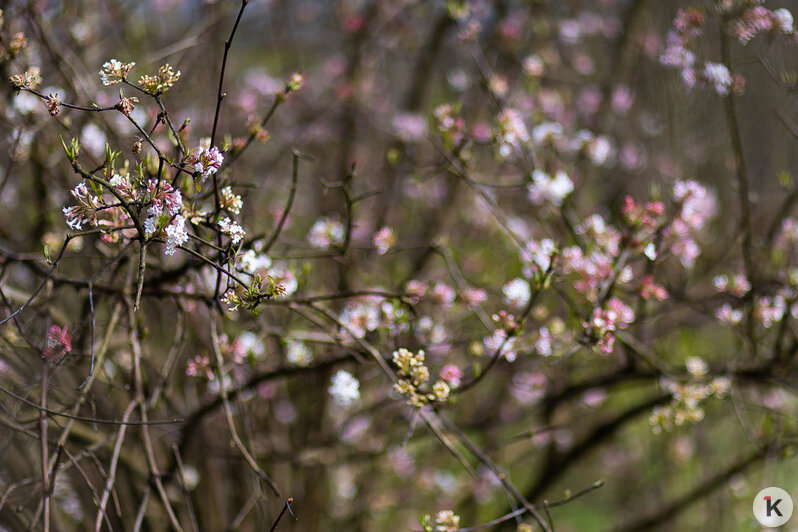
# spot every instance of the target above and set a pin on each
(326, 232)
(345, 388)
(517, 292)
(232, 229)
(176, 234)
(298, 353)
(552, 189)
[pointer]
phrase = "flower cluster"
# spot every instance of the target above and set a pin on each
(53, 102)
(231, 229)
(451, 375)
(538, 256)
(29, 80)
(345, 388)
(649, 289)
(410, 127)
(502, 341)
(552, 338)
(161, 195)
(200, 367)
(646, 217)
(15, 44)
(165, 212)
(517, 293)
(161, 82)
(246, 347)
(685, 405)
(728, 315)
(603, 323)
(451, 126)
(593, 266)
(696, 205)
(205, 160)
(413, 375)
(736, 285)
(176, 234)
(756, 19)
(84, 213)
(297, 353)
(258, 267)
(127, 105)
(229, 201)
(265, 281)
(770, 310)
(512, 132)
(57, 344)
(689, 24)
(115, 71)
(547, 189)
(363, 315)
(326, 232)
(444, 521)
(384, 240)
(645, 221)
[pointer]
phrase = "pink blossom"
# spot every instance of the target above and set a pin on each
(769, 310)
(676, 55)
(788, 234)
(718, 76)
(327, 232)
(737, 285)
(591, 270)
(649, 289)
(410, 127)
(537, 256)
(544, 345)
(384, 240)
(163, 194)
(599, 231)
(200, 366)
(359, 318)
(605, 321)
(499, 342)
(58, 344)
(207, 161)
(442, 294)
(512, 131)
(622, 99)
(728, 315)
(474, 296)
(528, 387)
(689, 22)
(452, 375)
(696, 206)
(645, 217)
(416, 290)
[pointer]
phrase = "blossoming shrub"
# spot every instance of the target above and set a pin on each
(395, 265)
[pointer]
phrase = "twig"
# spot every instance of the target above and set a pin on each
(49, 412)
(284, 217)
(44, 449)
(287, 506)
(228, 411)
(522, 511)
(220, 95)
(111, 480)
